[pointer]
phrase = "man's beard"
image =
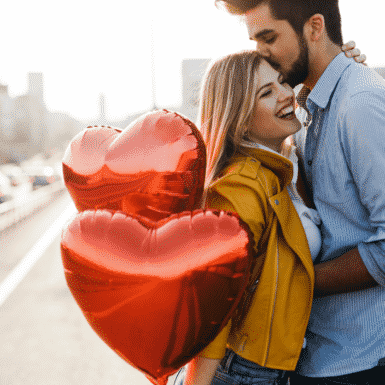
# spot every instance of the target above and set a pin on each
(300, 68)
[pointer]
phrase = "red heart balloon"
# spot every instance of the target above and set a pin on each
(157, 293)
(155, 167)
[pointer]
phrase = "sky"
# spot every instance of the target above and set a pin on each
(85, 48)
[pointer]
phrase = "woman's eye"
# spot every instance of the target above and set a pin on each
(267, 93)
(271, 40)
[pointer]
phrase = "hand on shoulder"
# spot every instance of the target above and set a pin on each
(351, 51)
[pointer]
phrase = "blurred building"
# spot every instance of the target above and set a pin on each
(27, 127)
(380, 70)
(7, 117)
(36, 86)
(30, 119)
(61, 129)
(7, 122)
(102, 110)
(193, 71)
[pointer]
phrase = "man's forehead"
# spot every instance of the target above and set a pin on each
(259, 20)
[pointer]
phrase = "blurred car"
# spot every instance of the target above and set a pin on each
(16, 175)
(41, 176)
(5, 189)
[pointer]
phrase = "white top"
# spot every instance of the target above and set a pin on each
(310, 218)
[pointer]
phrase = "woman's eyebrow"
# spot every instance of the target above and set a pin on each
(264, 86)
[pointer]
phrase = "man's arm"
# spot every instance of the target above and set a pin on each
(364, 266)
(344, 274)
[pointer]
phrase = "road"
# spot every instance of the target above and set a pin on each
(45, 340)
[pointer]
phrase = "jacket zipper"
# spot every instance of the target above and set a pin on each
(275, 298)
(246, 301)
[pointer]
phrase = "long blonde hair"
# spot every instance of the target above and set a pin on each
(227, 104)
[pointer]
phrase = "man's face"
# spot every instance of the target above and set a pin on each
(279, 44)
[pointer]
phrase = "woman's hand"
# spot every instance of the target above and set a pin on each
(201, 371)
(351, 51)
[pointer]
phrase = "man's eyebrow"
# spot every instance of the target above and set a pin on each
(259, 35)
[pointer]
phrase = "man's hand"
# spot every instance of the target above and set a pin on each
(351, 51)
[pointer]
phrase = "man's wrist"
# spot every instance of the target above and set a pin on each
(344, 274)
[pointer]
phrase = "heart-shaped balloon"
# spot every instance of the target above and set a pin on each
(157, 292)
(156, 287)
(155, 167)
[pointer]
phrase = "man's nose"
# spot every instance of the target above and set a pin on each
(263, 49)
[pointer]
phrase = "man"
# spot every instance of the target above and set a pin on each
(342, 145)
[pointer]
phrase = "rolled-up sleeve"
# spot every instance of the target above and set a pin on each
(363, 141)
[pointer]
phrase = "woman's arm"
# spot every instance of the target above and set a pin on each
(201, 371)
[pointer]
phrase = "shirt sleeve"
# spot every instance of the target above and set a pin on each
(232, 195)
(363, 141)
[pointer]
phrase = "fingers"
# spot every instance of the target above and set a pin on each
(349, 45)
(360, 59)
(353, 53)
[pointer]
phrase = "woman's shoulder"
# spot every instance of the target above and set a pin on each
(246, 170)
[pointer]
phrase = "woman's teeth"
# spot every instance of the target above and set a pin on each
(286, 113)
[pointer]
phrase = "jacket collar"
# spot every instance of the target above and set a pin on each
(277, 163)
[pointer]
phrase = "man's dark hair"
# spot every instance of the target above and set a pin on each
(296, 12)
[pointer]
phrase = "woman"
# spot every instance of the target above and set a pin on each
(246, 117)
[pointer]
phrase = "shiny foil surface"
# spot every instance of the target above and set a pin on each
(156, 293)
(156, 278)
(155, 167)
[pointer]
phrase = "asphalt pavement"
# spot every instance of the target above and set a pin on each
(45, 339)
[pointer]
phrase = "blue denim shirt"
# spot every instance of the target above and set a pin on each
(342, 144)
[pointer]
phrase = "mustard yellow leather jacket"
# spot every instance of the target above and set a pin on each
(276, 307)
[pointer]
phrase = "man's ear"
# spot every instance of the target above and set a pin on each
(314, 28)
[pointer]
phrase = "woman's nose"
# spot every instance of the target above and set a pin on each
(285, 91)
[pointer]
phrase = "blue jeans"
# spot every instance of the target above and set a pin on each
(235, 370)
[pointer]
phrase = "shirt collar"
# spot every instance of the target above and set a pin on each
(321, 93)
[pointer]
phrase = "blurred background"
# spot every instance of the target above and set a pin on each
(65, 66)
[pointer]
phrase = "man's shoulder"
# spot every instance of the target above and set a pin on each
(359, 90)
(358, 78)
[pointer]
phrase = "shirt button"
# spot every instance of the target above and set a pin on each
(276, 202)
(309, 162)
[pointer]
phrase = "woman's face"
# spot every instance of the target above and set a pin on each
(274, 118)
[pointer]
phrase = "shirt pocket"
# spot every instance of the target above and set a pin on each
(332, 181)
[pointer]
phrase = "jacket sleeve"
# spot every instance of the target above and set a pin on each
(231, 194)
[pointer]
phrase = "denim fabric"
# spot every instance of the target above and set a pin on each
(235, 370)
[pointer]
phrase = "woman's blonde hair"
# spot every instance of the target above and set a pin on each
(227, 104)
